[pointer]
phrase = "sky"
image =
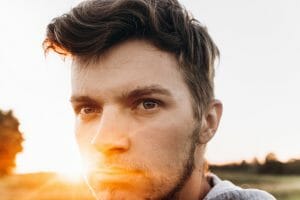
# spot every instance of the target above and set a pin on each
(257, 79)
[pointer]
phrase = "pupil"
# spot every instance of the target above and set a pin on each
(88, 110)
(149, 104)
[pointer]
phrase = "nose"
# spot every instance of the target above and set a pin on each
(112, 133)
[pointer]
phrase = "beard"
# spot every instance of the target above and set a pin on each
(183, 175)
(188, 168)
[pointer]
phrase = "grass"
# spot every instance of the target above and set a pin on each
(42, 186)
(286, 187)
(45, 186)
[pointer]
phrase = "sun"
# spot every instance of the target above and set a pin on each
(73, 175)
(71, 171)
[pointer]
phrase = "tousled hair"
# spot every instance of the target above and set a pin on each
(94, 26)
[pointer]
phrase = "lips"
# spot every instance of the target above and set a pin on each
(114, 177)
(112, 170)
(115, 170)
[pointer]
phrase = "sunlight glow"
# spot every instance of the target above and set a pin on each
(73, 175)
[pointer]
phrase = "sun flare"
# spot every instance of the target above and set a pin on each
(73, 175)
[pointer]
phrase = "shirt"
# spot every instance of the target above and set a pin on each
(226, 190)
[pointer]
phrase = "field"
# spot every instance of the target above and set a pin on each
(44, 186)
(283, 187)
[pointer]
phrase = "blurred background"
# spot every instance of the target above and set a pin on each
(257, 79)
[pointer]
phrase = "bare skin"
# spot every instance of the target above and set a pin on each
(135, 126)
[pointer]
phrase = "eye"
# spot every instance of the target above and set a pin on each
(88, 112)
(148, 104)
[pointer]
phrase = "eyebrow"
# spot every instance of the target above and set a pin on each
(82, 99)
(133, 94)
(146, 90)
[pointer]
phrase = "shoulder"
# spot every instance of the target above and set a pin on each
(225, 190)
(243, 194)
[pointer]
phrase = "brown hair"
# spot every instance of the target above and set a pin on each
(94, 26)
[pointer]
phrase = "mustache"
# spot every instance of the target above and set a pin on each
(118, 165)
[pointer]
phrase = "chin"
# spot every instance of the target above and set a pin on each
(121, 187)
(110, 194)
(137, 190)
(131, 186)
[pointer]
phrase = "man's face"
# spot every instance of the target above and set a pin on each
(134, 123)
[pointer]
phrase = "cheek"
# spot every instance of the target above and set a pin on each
(84, 135)
(163, 143)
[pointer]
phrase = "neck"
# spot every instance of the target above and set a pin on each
(196, 188)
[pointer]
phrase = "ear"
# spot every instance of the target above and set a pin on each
(210, 121)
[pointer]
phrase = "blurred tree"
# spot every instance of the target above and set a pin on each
(271, 157)
(244, 165)
(255, 163)
(272, 165)
(292, 166)
(10, 141)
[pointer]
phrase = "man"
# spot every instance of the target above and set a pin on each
(142, 92)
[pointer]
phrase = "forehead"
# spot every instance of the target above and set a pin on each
(132, 64)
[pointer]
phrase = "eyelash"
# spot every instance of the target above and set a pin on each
(140, 101)
(135, 105)
(79, 108)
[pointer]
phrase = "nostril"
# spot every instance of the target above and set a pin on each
(112, 147)
(115, 151)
